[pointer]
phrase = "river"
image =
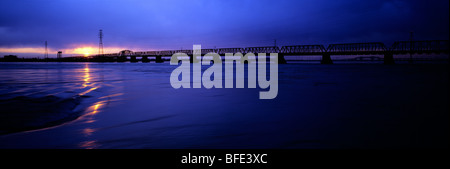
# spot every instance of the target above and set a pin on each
(133, 105)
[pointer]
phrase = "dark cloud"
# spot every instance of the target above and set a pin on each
(179, 23)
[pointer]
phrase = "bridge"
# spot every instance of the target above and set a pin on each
(371, 48)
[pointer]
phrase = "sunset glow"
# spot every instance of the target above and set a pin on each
(81, 50)
(86, 51)
(23, 50)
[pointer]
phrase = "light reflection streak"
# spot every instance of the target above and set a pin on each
(87, 91)
(88, 131)
(96, 106)
(87, 76)
(111, 95)
(87, 81)
(89, 144)
(92, 110)
(89, 118)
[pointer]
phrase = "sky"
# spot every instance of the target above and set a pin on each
(72, 26)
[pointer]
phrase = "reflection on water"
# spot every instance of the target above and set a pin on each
(87, 81)
(125, 105)
(89, 144)
(88, 131)
(86, 76)
(92, 110)
(96, 108)
(75, 81)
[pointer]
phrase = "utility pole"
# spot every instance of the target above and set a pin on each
(46, 51)
(100, 44)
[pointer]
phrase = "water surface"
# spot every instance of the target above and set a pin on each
(132, 105)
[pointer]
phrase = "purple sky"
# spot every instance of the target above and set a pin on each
(175, 24)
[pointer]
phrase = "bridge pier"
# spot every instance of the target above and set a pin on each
(158, 59)
(389, 58)
(133, 59)
(326, 59)
(281, 59)
(145, 59)
(121, 59)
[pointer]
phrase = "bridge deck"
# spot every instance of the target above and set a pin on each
(371, 48)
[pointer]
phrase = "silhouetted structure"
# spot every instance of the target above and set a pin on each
(46, 51)
(59, 55)
(10, 58)
(367, 50)
(371, 48)
(100, 44)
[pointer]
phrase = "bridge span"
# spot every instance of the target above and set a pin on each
(371, 48)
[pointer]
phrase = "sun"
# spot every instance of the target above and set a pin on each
(86, 51)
